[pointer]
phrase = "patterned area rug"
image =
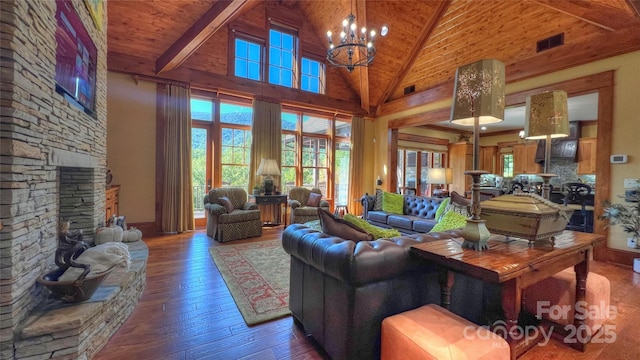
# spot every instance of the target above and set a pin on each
(257, 275)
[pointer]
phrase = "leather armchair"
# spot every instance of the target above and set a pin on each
(243, 222)
(300, 212)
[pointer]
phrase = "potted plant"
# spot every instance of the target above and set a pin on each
(627, 215)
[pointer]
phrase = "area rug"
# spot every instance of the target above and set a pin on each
(257, 275)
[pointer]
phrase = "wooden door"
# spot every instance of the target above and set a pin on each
(587, 156)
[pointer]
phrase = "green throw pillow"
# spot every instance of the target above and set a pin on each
(376, 231)
(450, 220)
(443, 205)
(392, 203)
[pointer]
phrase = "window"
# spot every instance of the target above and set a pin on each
(201, 109)
(311, 77)
(247, 59)
(282, 57)
(315, 163)
(412, 163)
(507, 165)
(235, 131)
(289, 161)
(342, 162)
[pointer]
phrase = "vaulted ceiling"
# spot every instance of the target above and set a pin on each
(186, 40)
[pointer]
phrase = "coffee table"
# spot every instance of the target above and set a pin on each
(514, 265)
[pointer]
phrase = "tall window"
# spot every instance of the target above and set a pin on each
(235, 131)
(289, 158)
(342, 161)
(507, 165)
(202, 111)
(247, 59)
(312, 76)
(282, 57)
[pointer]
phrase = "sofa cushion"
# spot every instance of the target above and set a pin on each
(450, 220)
(377, 216)
(401, 221)
(376, 231)
(314, 199)
(392, 203)
(423, 225)
(338, 227)
(441, 208)
(224, 201)
(421, 206)
(377, 205)
(238, 215)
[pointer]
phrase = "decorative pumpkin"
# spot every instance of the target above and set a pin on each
(109, 234)
(131, 235)
(137, 231)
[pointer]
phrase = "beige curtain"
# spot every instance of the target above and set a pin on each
(355, 164)
(177, 194)
(266, 138)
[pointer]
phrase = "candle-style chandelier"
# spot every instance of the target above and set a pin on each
(353, 48)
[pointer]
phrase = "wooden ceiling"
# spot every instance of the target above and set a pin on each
(187, 40)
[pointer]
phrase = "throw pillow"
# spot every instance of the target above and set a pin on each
(224, 201)
(338, 227)
(377, 205)
(441, 208)
(314, 199)
(450, 220)
(392, 203)
(376, 231)
(460, 209)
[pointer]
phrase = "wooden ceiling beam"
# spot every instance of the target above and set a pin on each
(220, 13)
(361, 17)
(130, 64)
(422, 38)
(634, 5)
(595, 13)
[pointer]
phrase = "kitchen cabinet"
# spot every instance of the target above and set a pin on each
(111, 203)
(461, 160)
(524, 159)
(488, 158)
(587, 156)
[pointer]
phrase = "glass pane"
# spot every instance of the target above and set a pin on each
(315, 86)
(288, 178)
(315, 68)
(287, 78)
(201, 109)
(274, 38)
(198, 169)
(227, 137)
(289, 121)
(304, 83)
(254, 71)
(287, 60)
(235, 114)
(274, 75)
(241, 48)
(275, 56)
(227, 154)
(241, 68)
(235, 176)
(400, 170)
(411, 168)
(287, 41)
(341, 186)
(254, 52)
(343, 128)
(305, 66)
(315, 125)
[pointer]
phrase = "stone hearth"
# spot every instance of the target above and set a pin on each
(78, 331)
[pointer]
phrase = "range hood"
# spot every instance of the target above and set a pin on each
(562, 148)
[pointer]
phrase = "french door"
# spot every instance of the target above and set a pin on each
(201, 160)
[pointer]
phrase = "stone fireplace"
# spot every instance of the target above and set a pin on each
(52, 167)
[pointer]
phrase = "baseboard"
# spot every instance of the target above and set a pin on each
(622, 257)
(147, 228)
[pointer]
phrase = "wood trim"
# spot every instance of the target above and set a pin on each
(634, 5)
(423, 36)
(220, 13)
(130, 64)
(160, 170)
(587, 11)
(422, 139)
(429, 117)
(446, 129)
(622, 257)
(392, 159)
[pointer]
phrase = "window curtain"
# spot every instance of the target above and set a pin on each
(356, 168)
(266, 143)
(177, 194)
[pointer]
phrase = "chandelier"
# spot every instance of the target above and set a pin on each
(353, 48)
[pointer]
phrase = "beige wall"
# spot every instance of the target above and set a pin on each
(131, 144)
(626, 117)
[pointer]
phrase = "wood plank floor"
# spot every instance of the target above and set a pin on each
(187, 312)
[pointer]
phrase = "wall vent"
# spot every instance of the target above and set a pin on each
(409, 89)
(550, 42)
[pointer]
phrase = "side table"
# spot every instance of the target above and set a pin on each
(276, 203)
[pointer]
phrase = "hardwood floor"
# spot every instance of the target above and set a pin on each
(187, 312)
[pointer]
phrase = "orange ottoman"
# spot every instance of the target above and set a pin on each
(554, 299)
(432, 332)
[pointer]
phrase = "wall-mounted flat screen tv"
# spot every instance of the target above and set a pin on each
(76, 58)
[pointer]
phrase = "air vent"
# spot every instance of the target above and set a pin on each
(409, 89)
(550, 42)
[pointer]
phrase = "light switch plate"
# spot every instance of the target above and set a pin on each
(631, 183)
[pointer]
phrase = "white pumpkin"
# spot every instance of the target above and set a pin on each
(109, 234)
(130, 236)
(137, 231)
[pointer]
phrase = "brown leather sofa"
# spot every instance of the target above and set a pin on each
(418, 213)
(340, 290)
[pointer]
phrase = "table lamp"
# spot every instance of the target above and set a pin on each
(268, 168)
(478, 99)
(437, 177)
(546, 118)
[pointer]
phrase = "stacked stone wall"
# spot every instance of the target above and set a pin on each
(35, 122)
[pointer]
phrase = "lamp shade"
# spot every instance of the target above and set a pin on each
(440, 175)
(479, 92)
(546, 114)
(268, 167)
